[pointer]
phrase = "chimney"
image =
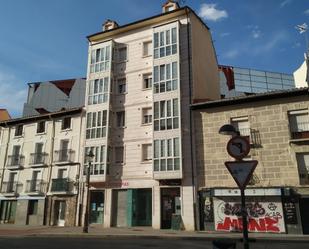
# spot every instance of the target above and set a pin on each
(109, 24)
(170, 5)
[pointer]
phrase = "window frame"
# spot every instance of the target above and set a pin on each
(166, 115)
(96, 123)
(165, 77)
(122, 48)
(19, 130)
(94, 98)
(63, 121)
(38, 131)
(165, 40)
(147, 76)
(118, 125)
(145, 160)
(103, 63)
(150, 50)
(144, 114)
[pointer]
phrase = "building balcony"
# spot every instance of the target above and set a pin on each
(11, 188)
(38, 159)
(62, 185)
(251, 135)
(64, 156)
(15, 162)
(35, 187)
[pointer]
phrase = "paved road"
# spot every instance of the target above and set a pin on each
(132, 243)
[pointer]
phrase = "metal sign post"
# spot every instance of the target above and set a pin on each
(241, 171)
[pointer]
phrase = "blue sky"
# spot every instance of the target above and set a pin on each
(46, 40)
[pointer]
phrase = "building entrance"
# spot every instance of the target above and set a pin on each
(170, 204)
(8, 211)
(304, 214)
(96, 207)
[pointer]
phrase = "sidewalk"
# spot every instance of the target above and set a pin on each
(138, 232)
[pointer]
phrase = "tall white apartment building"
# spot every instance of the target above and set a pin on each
(141, 79)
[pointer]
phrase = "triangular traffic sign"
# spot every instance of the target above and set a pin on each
(241, 171)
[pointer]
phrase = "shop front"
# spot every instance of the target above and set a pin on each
(221, 210)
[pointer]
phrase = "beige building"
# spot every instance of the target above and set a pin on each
(40, 169)
(277, 127)
(142, 78)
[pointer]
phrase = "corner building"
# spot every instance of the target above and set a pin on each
(142, 78)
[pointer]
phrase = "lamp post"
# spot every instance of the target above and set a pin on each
(230, 130)
(89, 158)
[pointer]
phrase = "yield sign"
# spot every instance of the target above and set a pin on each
(241, 171)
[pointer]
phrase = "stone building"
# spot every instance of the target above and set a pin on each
(40, 169)
(142, 78)
(277, 126)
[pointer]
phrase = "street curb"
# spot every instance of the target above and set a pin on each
(139, 236)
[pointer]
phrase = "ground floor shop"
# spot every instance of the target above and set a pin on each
(270, 210)
(157, 206)
(61, 210)
(22, 211)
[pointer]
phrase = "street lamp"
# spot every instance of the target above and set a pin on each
(230, 130)
(89, 158)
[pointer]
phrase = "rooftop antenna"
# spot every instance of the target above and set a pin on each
(303, 28)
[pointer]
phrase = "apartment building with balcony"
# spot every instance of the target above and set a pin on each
(39, 165)
(277, 127)
(142, 78)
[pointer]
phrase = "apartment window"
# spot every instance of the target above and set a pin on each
(122, 54)
(40, 127)
(147, 48)
(19, 130)
(165, 78)
(122, 85)
(166, 115)
(119, 154)
(147, 115)
(66, 123)
(146, 152)
(166, 154)
(98, 91)
(120, 119)
(38, 157)
(303, 167)
(96, 124)
(147, 81)
(165, 43)
(62, 173)
(242, 125)
(100, 59)
(98, 164)
(15, 158)
(299, 124)
(33, 207)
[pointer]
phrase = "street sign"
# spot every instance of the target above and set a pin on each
(241, 171)
(238, 147)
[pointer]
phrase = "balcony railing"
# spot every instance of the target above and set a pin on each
(252, 135)
(11, 187)
(36, 186)
(61, 185)
(15, 161)
(301, 131)
(64, 156)
(38, 158)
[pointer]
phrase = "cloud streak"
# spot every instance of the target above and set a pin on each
(284, 3)
(211, 13)
(11, 97)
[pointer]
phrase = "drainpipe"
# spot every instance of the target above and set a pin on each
(52, 141)
(6, 153)
(191, 121)
(78, 198)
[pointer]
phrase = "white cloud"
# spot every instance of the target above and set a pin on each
(272, 43)
(209, 12)
(231, 54)
(12, 97)
(284, 3)
(225, 34)
(306, 12)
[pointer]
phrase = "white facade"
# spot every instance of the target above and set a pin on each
(140, 119)
(40, 162)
